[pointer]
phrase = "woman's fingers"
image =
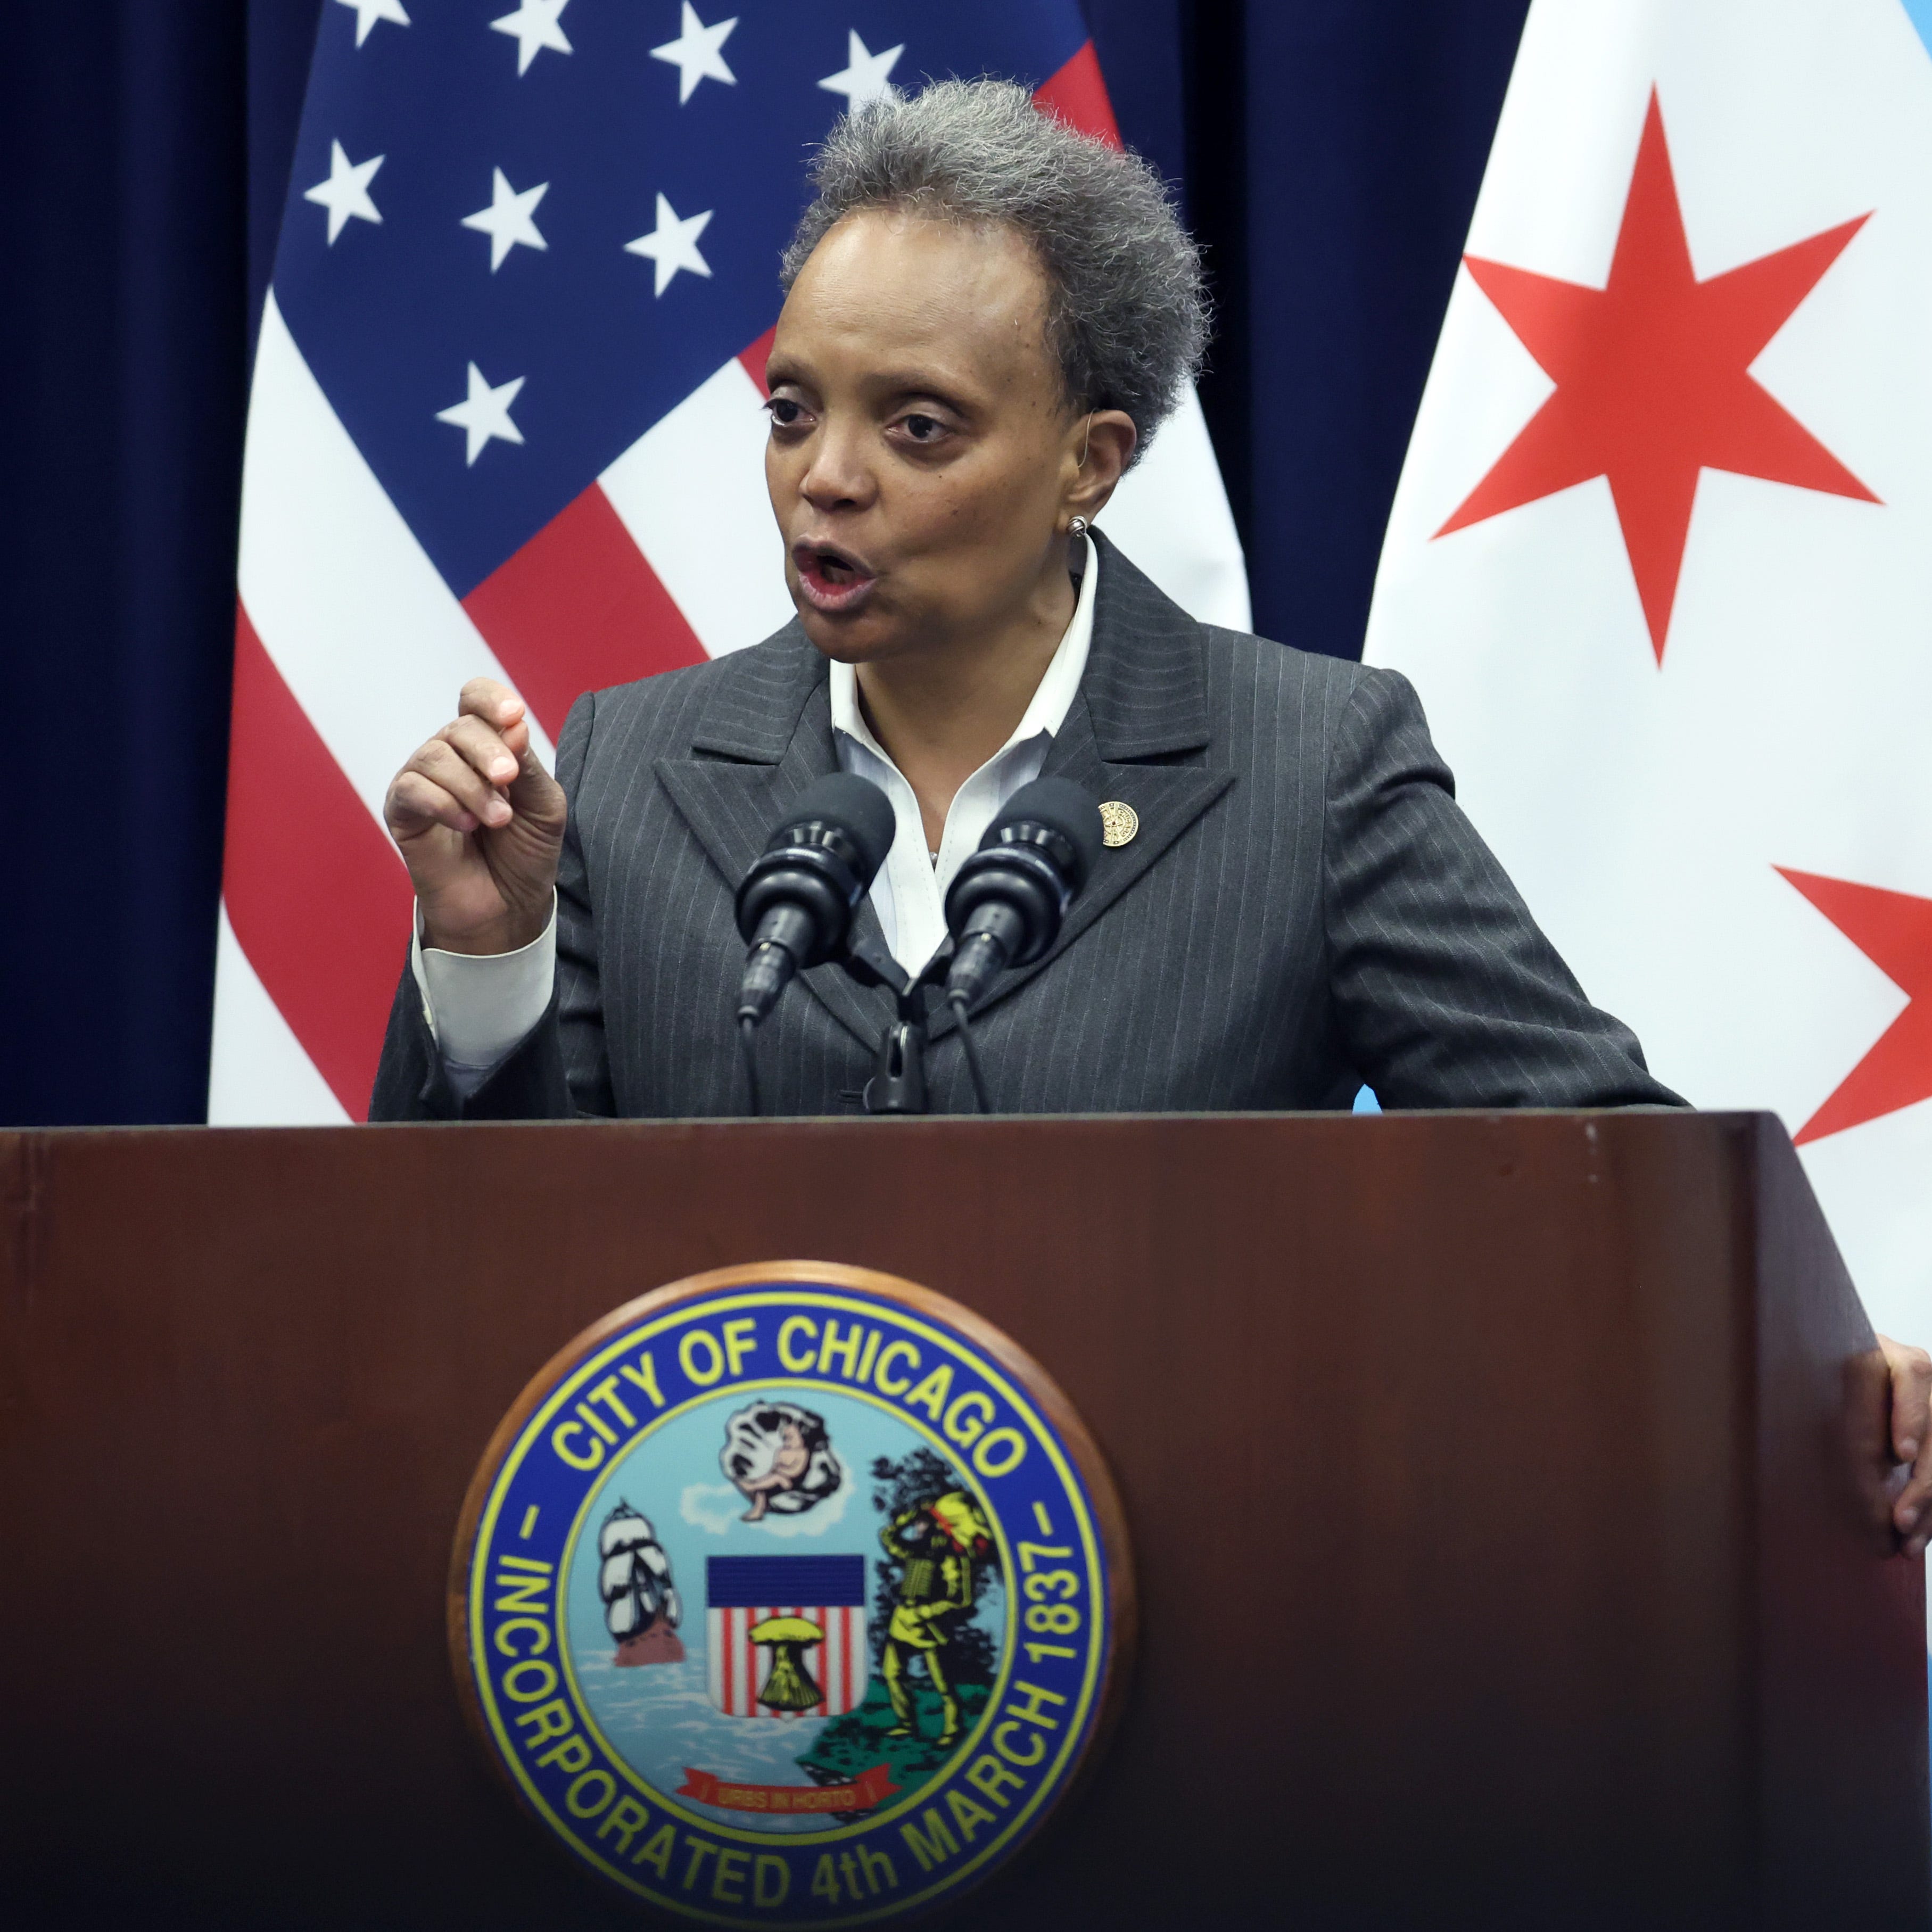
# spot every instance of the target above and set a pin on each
(492, 732)
(479, 774)
(416, 802)
(446, 765)
(1911, 1371)
(497, 705)
(536, 795)
(485, 752)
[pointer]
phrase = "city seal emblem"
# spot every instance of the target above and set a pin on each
(792, 1595)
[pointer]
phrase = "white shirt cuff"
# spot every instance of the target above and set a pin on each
(480, 1006)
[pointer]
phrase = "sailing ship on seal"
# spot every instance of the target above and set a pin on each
(641, 1608)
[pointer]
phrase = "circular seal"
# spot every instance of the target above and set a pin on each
(793, 1595)
(1119, 822)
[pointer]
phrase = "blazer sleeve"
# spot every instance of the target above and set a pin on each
(1447, 992)
(560, 1069)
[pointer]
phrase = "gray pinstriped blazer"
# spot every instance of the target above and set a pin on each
(1304, 908)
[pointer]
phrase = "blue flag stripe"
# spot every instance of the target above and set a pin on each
(738, 1582)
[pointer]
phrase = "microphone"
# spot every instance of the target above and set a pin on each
(796, 904)
(1006, 903)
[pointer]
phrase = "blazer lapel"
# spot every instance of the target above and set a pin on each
(1137, 733)
(1166, 799)
(764, 737)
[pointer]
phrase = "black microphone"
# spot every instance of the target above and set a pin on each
(796, 904)
(1005, 904)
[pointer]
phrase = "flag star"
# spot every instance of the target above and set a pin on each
(1894, 930)
(673, 245)
(346, 190)
(484, 412)
(508, 220)
(694, 53)
(534, 23)
(368, 12)
(1653, 379)
(863, 80)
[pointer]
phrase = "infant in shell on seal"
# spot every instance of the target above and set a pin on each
(780, 1456)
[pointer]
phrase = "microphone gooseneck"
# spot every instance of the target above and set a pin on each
(748, 1049)
(1005, 905)
(982, 1098)
(796, 904)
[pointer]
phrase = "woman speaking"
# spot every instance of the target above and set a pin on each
(987, 316)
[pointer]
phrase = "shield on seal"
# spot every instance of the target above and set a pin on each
(786, 1635)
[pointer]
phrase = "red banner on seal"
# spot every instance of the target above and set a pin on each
(873, 1787)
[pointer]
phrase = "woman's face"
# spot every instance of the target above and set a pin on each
(922, 451)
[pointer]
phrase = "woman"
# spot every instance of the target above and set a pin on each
(987, 317)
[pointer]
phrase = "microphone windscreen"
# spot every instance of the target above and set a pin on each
(856, 806)
(1060, 806)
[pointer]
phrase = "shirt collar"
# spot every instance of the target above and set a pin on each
(1051, 702)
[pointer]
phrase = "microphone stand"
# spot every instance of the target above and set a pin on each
(898, 1084)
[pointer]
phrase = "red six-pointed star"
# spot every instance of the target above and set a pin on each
(1653, 382)
(1894, 930)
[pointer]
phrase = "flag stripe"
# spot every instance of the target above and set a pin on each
(1078, 94)
(318, 898)
(753, 360)
(258, 1074)
(577, 608)
(691, 490)
(845, 1658)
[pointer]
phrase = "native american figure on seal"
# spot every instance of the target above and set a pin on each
(937, 1542)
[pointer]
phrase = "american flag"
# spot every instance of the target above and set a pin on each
(505, 421)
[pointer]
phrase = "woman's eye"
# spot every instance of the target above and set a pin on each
(784, 413)
(924, 429)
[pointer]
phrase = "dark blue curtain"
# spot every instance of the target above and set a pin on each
(129, 132)
(1328, 153)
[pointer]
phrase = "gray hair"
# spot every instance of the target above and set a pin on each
(1126, 314)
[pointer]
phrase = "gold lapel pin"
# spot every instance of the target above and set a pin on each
(1118, 823)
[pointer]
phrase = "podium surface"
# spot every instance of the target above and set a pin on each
(1508, 1496)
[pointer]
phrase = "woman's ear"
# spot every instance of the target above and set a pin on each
(1107, 440)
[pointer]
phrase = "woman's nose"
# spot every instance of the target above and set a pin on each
(837, 476)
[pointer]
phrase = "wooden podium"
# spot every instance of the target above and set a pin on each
(1508, 1495)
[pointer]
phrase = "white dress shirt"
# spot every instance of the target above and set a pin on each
(480, 1006)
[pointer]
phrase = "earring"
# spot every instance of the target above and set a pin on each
(1077, 527)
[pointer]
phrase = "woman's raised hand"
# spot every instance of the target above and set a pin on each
(479, 824)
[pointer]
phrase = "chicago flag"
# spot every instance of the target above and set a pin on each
(1660, 561)
(506, 420)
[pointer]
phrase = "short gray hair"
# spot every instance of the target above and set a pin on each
(1126, 314)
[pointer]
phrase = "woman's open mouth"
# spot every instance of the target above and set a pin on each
(832, 580)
